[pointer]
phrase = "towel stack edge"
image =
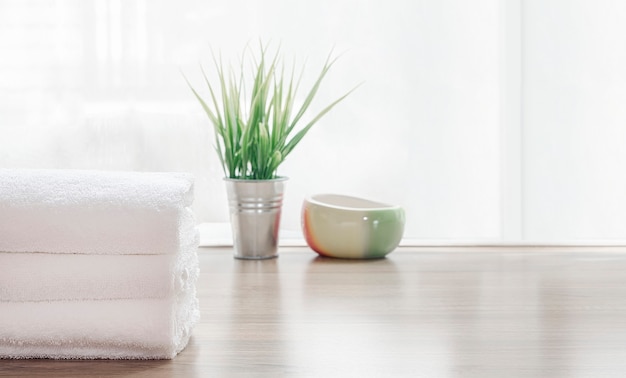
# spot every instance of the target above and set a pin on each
(96, 265)
(39, 277)
(149, 328)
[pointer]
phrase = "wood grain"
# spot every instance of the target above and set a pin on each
(429, 312)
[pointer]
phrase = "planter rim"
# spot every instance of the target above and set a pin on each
(280, 178)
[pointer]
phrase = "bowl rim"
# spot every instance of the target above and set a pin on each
(374, 205)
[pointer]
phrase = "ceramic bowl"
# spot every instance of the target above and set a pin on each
(350, 227)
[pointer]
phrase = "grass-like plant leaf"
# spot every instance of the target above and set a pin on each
(252, 146)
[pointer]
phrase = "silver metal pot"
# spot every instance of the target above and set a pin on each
(255, 207)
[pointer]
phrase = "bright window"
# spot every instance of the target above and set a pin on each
(488, 121)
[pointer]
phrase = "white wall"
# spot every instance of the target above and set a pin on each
(575, 120)
(96, 84)
(492, 120)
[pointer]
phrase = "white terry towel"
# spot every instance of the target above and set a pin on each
(117, 329)
(53, 277)
(95, 212)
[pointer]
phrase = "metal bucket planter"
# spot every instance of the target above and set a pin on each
(255, 207)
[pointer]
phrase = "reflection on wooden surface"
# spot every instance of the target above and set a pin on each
(432, 312)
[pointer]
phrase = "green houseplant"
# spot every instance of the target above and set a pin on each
(257, 125)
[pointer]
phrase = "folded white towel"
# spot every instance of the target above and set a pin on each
(117, 329)
(95, 212)
(53, 277)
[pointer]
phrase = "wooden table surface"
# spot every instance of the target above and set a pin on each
(421, 312)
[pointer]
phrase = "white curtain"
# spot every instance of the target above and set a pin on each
(574, 120)
(488, 121)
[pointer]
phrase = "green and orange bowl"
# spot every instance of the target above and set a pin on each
(350, 227)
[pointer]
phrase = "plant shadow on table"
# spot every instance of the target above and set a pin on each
(257, 318)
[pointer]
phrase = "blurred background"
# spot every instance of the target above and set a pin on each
(492, 121)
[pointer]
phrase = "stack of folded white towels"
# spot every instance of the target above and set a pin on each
(96, 264)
